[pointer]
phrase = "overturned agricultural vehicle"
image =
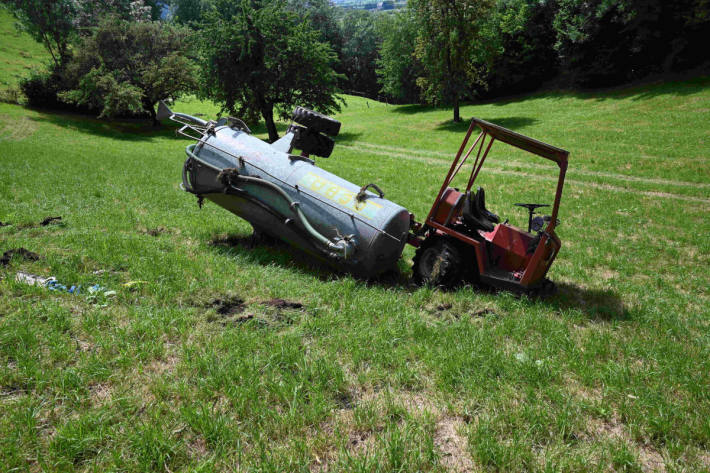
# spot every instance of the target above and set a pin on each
(354, 228)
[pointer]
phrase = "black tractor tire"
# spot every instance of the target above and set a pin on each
(546, 289)
(438, 263)
(311, 141)
(316, 121)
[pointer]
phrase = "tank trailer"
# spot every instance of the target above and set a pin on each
(354, 228)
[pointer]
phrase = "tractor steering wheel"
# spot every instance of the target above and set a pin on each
(531, 208)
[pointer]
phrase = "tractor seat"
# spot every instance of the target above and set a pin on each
(481, 204)
(475, 213)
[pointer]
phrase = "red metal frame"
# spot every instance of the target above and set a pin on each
(505, 240)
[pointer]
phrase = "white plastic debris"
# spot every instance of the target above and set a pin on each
(33, 279)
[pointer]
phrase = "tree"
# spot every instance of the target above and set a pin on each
(359, 53)
(50, 22)
(258, 56)
(127, 67)
(321, 14)
(397, 67)
(89, 13)
(189, 12)
(606, 42)
(451, 47)
(55, 23)
(526, 56)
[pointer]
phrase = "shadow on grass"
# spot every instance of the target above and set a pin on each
(678, 85)
(346, 137)
(128, 129)
(506, 122)
(142, 129)
(659, 86)
(264, 250)
(413, 109)
(597, 304)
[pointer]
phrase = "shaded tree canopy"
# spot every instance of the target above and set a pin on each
(322, 15)
(359, 50)
(189, 12)
(258, 55)
(127, 67)
(525, 55)
(604, 42)
(397, 67)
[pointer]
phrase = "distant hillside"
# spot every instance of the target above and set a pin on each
(380, 5)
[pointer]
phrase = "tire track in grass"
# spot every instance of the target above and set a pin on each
(610, 175)
(593, 185)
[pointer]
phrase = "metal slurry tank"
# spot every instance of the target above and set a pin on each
(370, 230)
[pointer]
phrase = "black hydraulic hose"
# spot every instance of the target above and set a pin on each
(266, 208)
(342, 248)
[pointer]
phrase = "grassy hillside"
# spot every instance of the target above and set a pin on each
(194, 366)
(19, 53)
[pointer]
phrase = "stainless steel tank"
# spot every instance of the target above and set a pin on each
(283, 195)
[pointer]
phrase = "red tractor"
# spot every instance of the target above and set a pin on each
(355, 229)
(461, 239)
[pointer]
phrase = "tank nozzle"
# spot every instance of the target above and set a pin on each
(164, 112)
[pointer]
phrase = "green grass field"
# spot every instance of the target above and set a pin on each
(191, 366)
(19, 54)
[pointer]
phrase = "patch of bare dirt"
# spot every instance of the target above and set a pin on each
(159, 230)
(163, 365)
(283, 304)
(18, 252)
(651, 460)
(229, 305)
(100, 393)
(448, 437)
(42, 223)
(83, 345)
(580, 391)
(50, 221)
(453, 445)
(483, 312)
(418, 402)
(198, 447)
(607, 428)
(461, 311)
(230, 311)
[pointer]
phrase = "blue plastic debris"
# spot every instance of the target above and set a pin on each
(52, 284)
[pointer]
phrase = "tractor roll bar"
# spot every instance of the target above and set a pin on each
(496, 132)
(526, 143)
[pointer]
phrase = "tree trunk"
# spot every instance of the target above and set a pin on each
(267, 112)
(457, 116)
(154, 116)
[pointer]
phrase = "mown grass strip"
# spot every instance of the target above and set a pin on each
(412, 152)
(606, 187)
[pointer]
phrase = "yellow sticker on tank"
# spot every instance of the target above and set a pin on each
(339, 195)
